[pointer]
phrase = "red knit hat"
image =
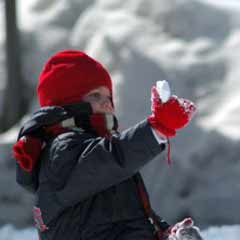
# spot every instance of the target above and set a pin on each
(67, 76)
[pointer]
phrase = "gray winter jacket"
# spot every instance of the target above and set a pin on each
(85, 185)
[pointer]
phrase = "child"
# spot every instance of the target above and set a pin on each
(85, 173)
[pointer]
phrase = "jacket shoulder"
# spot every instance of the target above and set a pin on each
(67, 142)
(64, 152)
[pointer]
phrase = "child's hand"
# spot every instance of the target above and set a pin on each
(185, 230)
(167, 117)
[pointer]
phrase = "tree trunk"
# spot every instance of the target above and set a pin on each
(13, 99)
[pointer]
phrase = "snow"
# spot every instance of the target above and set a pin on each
(116, 38)
(222, 233)
(8, 232)
(225, 4)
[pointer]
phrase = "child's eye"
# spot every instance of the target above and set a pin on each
(96, 96)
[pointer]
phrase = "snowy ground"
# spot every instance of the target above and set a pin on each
(8, 232)
(230, 4)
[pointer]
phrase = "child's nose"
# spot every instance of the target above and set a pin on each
(107, 104)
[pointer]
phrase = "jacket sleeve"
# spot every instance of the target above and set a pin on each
(99, 163)
(27, 180)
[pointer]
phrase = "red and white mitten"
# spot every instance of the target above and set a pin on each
(185, 230)
(26, 151)
(174, 114)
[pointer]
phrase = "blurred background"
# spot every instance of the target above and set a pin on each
(194, 44)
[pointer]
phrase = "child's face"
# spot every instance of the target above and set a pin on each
(100, 100)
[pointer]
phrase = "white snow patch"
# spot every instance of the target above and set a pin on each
(9, 232)
(9, 136)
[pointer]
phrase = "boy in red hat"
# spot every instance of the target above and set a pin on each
(85, 173)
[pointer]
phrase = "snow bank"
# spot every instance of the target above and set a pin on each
(8, 232)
